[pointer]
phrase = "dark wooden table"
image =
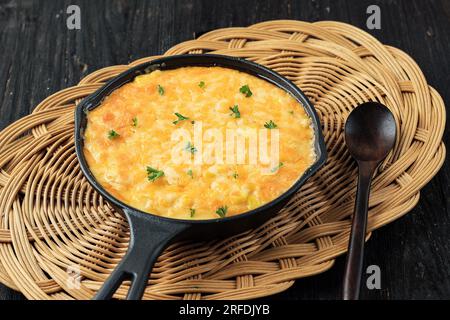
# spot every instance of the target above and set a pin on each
(39, 55)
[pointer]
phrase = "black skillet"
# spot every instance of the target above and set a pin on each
(150, 234)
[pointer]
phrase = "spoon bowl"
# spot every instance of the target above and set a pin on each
(370, 133)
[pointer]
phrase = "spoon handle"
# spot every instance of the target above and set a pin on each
(355, 256)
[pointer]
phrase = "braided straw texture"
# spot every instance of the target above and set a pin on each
(59, 239)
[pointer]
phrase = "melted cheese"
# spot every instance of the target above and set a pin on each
(142, 114)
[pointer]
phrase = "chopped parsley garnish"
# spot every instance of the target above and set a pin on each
(270, 125)
(135, 122)
(190, 147)
(235, 175)
(192, 212)
(153, 174)
(201, 84)
(113, 135)
(160, 90)
(190, 173)
(246, 90)
(180, 118)
(235, 111)
(277, 167)
(222, 211)
(291, 112)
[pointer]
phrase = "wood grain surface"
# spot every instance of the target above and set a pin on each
(39, 56)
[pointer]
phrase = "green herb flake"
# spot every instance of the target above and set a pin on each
(235, 175)
(112, 135)
(190, 173)
(153, 174)
(160, 90)
(201, 84)
(180, 118)
(270, 125)
(222, 211)
(291, 112)
(277, 167)
(190, 148)
(135, 122)
(246, 91)
(235, 111)
(192, 211)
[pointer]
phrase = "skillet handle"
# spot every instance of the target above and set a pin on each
(149, 236)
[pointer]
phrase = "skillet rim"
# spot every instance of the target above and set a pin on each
(93, 100)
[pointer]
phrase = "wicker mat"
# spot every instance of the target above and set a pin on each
(59, 239)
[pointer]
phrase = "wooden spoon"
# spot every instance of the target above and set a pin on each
(370, 133)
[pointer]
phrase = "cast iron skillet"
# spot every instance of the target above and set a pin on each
(150, 234)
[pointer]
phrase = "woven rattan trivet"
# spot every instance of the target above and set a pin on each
(53, 226)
